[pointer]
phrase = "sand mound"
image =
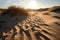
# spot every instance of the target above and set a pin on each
(54, 9)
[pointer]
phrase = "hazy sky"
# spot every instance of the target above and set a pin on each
(31, 3)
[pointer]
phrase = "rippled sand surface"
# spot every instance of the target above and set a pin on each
(37, 26)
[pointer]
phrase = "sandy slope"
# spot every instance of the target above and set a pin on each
(54, 24)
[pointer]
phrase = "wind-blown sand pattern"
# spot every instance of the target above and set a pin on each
(37, 26)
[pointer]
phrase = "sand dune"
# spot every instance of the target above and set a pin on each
(37, 25)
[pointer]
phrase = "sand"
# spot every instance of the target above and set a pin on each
(37, 26)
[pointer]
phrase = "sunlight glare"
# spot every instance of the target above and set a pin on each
(32, 4)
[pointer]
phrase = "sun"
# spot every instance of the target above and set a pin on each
(32, 5)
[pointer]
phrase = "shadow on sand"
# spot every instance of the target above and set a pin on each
(10, 18)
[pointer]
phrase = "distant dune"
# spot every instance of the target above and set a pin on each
(54, 9)
(42, 9)
(51, 9)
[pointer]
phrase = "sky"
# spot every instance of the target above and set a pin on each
(30, 3)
